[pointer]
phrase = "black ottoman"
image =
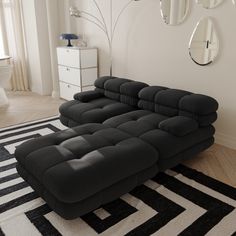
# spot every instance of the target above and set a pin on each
(77, 170)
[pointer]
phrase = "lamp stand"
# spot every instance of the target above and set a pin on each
(102, 24)
(69, 43)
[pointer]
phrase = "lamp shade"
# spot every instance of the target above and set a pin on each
(68, 37)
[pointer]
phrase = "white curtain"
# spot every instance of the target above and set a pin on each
(12, 41)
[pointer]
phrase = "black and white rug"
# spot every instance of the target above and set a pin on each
(181, 201)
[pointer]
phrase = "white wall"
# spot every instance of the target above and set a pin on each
(146, 49)
(67, 23)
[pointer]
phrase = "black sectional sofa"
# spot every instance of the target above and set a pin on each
(123, 133)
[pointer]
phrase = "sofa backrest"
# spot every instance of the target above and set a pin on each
(122, 90)
(173, 102)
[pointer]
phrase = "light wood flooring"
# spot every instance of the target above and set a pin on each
(27, 106)
(218, 162)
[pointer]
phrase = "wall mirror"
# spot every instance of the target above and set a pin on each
(209, 3)
(204, 43)
(174, 12)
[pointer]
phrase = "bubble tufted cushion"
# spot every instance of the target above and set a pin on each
(137, 122)
(119, 89)
(96, 110)
(179, 125)
(173, 102)
(112, 96)
(77, 163)
(146, 126)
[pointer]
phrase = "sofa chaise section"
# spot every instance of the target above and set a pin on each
(90, 164)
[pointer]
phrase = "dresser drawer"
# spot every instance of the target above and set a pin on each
(69, 75)
(88, 58)
(67, 91)
(78, 58)
(89, 76)
(68, 57)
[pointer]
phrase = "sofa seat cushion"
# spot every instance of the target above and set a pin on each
(169, 145)
(179, 125)
(95, 111)
(146, 125)
(77, 163)
(137, 122)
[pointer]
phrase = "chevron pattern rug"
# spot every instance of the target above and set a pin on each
(180, 201)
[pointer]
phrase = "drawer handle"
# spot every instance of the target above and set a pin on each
(68, 86)
(67, 69)
(67, 50)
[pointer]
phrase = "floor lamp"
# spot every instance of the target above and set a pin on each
(101, 23)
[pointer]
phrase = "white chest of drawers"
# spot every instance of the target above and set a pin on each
(77, 70)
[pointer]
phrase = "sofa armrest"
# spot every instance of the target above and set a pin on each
(88, 96)
(179, 125)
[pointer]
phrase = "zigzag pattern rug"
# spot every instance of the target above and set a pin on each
(180, 201)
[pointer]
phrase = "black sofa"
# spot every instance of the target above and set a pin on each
(124, 132)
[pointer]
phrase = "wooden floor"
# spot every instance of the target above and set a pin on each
(218, 162)
(27, 106)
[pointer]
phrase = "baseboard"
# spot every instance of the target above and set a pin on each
(225, 140)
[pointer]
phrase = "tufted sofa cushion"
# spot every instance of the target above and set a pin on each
(112, 96)
(179, 125)
(122, 90)
(136, 123)
(88, 96)
(146, 126)
(91, 157)
(174, 102)
(93, 111)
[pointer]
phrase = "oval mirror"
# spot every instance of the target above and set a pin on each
(204, 43)
(209, 3)
(174, 12)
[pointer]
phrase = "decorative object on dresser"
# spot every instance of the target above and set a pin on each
(174, 12)
(69, 37)
(101, 23)
(77, 70)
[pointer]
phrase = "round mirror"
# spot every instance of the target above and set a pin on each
(209, 3)
(204, 43)
(174, 12)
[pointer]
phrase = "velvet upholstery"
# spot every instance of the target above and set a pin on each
(179, 125)
(130, 132)
(174, 102)
(87, 96)
(112, 96)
